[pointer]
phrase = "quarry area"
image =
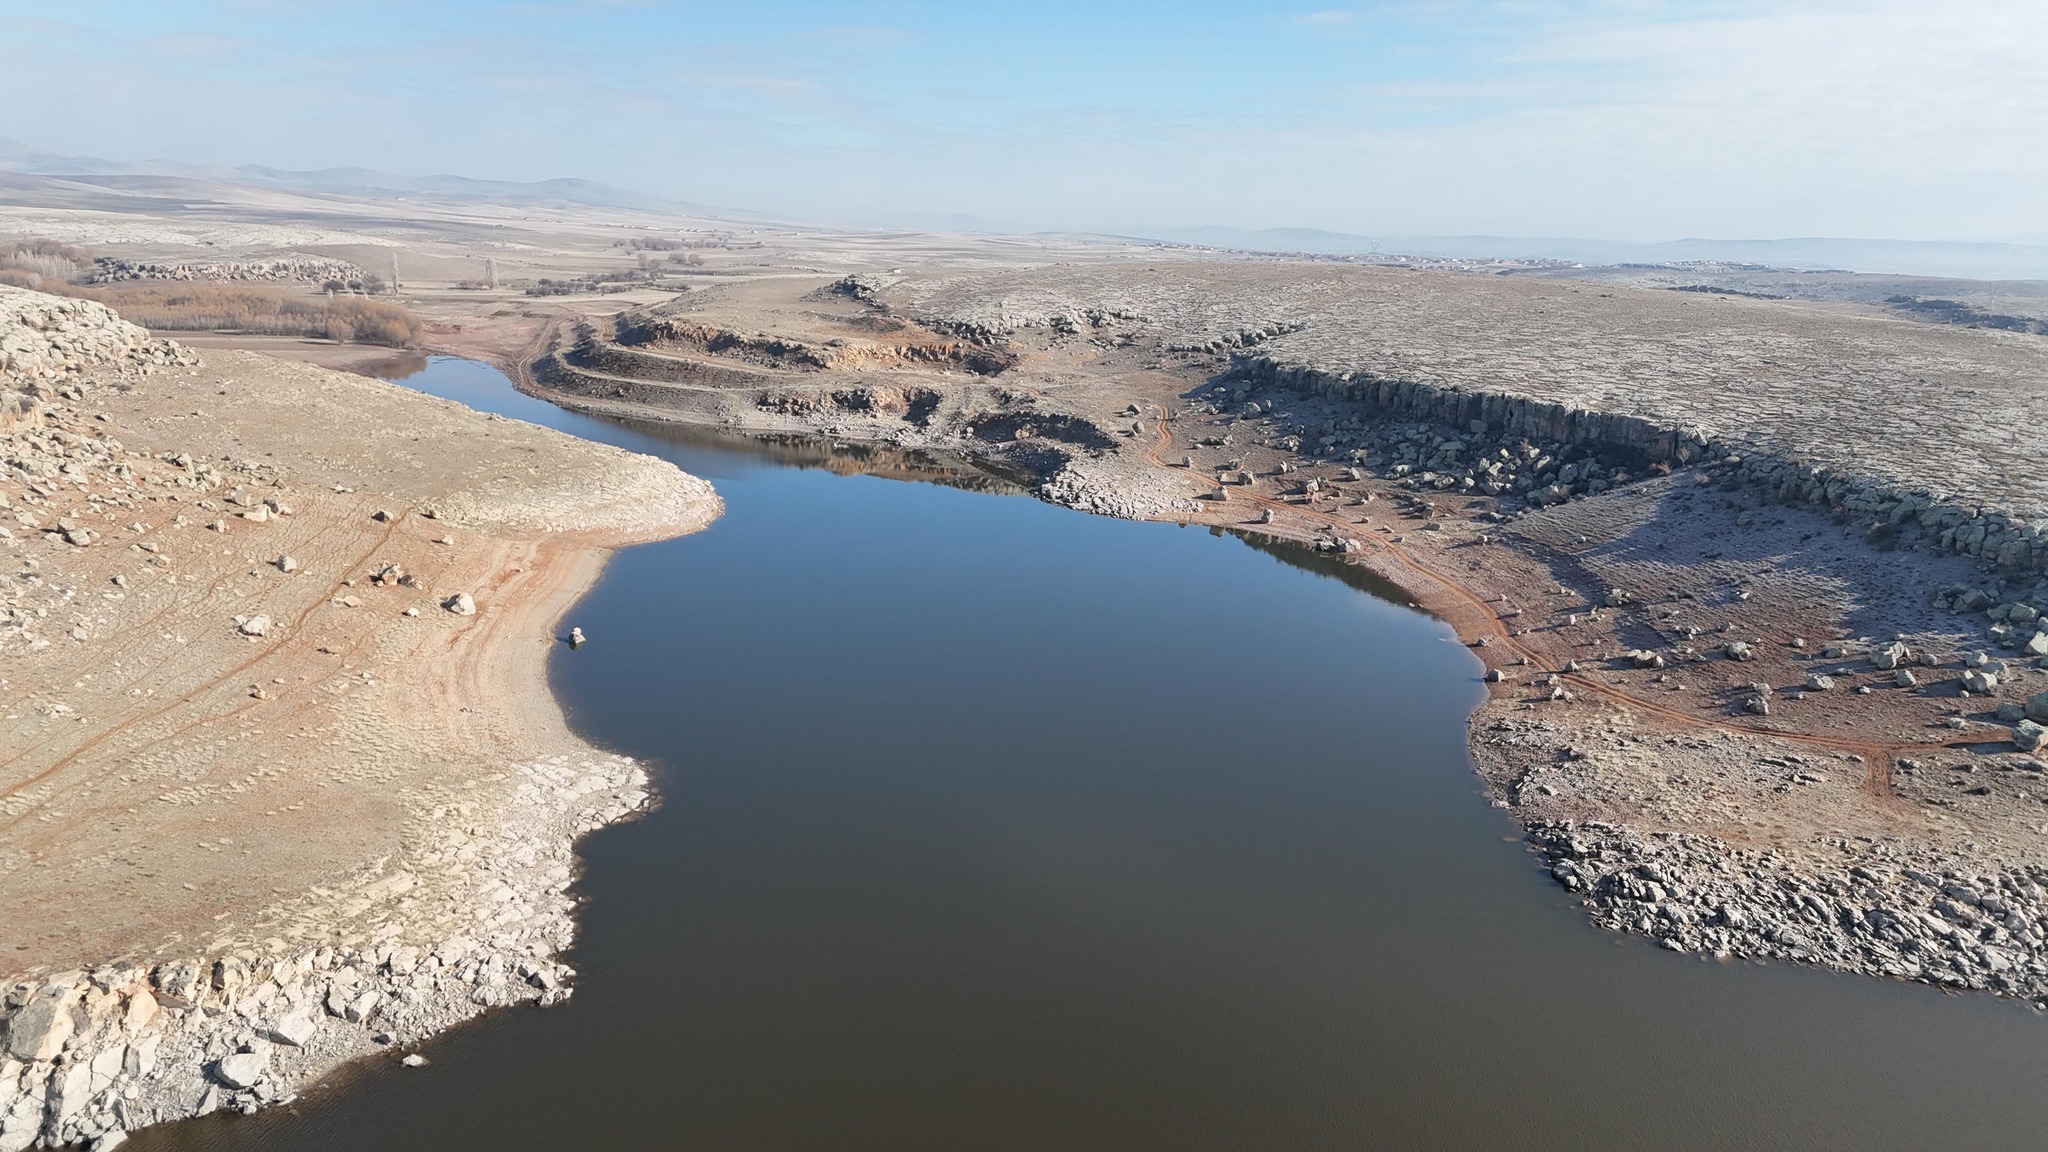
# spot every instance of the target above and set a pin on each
(1756, 581)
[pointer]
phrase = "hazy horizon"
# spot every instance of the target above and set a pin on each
(1624, 120)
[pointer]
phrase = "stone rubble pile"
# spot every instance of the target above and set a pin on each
(307, 269)
(45, 339)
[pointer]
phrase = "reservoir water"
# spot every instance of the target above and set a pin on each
(991, 825)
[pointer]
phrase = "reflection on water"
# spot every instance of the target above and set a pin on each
(1322, 564)
(398, 366)
(988, 825)
(889, 462)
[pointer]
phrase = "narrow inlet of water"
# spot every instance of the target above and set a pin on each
(990, 825)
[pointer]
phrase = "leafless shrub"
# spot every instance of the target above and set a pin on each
(177, 306)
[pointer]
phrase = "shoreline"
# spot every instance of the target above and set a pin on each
(1719, 830)
(371, 798)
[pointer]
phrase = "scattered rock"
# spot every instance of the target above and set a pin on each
(462, 604)
(254, 626)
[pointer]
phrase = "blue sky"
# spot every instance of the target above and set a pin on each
(1626, 119)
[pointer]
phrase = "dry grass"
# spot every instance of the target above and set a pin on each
(175, 306)
(188, 306)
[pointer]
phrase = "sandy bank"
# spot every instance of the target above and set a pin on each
(267, 804)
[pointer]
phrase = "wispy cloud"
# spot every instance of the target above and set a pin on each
(1635, 118)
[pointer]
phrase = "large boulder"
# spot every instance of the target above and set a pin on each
(39, 1029)
(2037, 709)
(295, 1029)
(242, 1069)
(2028, 736)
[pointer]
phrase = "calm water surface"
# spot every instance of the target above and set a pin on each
(989, 825)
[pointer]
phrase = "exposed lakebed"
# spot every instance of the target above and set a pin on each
(987, 824)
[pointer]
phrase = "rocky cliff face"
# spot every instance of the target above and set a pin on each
(1860, 490)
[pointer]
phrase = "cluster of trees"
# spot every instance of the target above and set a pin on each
(670, 244)
(32, 263)
(370, 285)
(200, 307)
(649, 261)
(212, 306)
(598, 282)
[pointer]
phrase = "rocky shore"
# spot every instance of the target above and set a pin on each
(91, 1055)
(1763, 681)
(1938, 918)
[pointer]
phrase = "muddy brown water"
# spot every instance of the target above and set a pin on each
(990, 825)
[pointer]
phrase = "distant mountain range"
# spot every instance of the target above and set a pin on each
(364, 183)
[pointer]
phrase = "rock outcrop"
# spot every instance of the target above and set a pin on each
(44, 338)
